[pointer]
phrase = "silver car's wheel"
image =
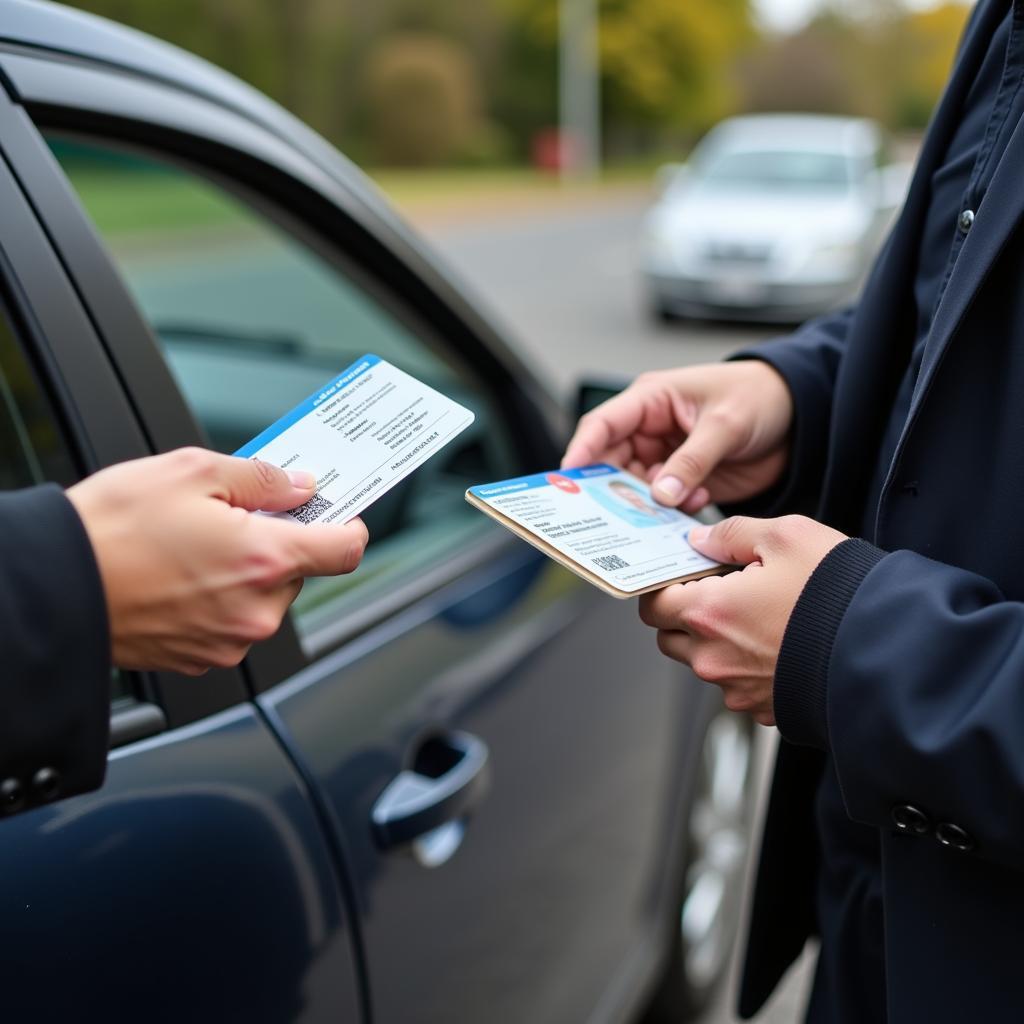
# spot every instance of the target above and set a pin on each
(711, 890)
(717, 850)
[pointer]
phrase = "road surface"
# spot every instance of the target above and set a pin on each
(566, 286)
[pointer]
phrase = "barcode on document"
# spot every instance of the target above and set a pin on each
(610, 562)
(311, 510)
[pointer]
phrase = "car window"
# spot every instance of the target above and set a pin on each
(777, 170)
(32, 449)
(252, 320)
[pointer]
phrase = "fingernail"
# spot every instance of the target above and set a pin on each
(669, 487)
(300, 478)
(698, 534)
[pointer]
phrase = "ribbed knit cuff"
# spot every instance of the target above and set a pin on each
(801, 675)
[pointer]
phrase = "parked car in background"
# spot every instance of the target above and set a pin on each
(774, 217)
(180, 262)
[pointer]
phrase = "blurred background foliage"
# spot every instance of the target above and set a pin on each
(433, 83)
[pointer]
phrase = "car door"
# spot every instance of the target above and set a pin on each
(202, 854)
(495, 746)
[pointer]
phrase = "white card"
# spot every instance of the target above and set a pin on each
(359, 435)
(601, 522)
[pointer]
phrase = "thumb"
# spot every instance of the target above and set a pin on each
(319, 549)
(692, 462)
(738, 540)
(252, 484)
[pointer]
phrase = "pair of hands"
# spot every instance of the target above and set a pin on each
(192, 580)
(716, 434)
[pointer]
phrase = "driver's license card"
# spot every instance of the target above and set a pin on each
(602, 523)
(359, 435)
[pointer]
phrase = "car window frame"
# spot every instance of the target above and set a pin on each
(94, 418)
(75, 97)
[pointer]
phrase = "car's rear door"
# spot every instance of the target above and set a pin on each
(458, 690)
(202, 854)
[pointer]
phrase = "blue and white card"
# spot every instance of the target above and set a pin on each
(602, 523)
(360, 434)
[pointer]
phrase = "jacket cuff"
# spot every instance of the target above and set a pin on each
(54, 646)
(801, 674)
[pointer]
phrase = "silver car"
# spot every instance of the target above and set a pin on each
(775, 217)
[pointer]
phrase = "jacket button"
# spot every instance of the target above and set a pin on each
(911, 819)
(12, 796)
(954, 837)
(46, 783)
(965, 220)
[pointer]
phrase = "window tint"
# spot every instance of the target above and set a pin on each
(777, 170)
(32, 450)
(251, 320)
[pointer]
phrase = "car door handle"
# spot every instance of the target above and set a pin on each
(450, 774)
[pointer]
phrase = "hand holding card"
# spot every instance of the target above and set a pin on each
(600, 522)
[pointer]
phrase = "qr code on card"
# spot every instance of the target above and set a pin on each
(611, 562)
(311, 510)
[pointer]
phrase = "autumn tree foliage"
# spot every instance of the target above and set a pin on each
(447, 81)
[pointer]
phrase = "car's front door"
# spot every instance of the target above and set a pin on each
(151, 899)
(494, 744)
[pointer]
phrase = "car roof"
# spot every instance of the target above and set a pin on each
(849, 135)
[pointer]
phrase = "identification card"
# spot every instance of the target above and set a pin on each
(600, 522)
(359, 435)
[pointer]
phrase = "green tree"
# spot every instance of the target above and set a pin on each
(667, 66)
(671, 64)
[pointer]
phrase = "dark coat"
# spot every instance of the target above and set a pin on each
(920, 641)
(54, 653)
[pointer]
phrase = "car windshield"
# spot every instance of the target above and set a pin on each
(776, 171)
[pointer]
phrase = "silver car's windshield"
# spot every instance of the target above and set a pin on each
(776, 170)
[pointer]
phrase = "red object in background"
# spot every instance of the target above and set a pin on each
(553, 150)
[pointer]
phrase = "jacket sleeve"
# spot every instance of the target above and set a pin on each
(808, 361)
(55, 665)
(911, 673)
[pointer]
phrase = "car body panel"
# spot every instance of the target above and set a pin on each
(560, 875)
(195, 885)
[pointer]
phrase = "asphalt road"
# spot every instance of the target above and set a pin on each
(564, 284)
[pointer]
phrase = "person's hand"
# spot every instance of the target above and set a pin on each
(191, 578)
(728, 629)
(704, 433)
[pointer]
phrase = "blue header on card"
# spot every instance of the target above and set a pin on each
(357, 369)
(525, 483)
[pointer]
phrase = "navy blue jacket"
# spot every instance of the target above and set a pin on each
(904, 658)
(54, 653)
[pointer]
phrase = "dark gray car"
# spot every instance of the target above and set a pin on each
(180, 262)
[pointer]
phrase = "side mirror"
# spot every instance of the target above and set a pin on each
(591, 393)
